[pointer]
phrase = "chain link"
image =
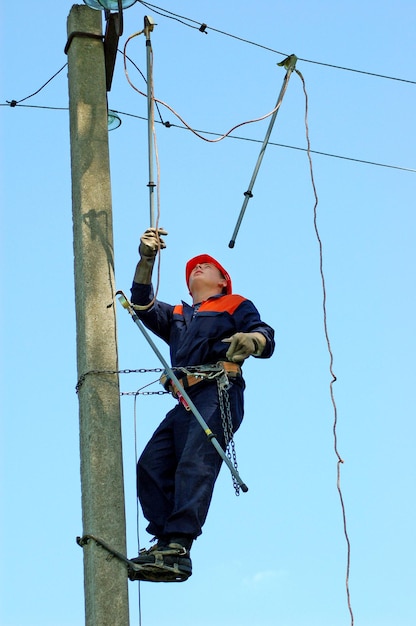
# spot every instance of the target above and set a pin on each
(227, 425)
(210, 373)
(141, 370)
(143, 393)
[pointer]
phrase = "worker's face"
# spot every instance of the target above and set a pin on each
(207, 275)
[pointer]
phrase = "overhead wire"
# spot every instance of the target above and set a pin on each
(276, 144)
(198, 25)
(14, 103)
(220, 136)
(249, 139)
(33, 106)
(17, 103)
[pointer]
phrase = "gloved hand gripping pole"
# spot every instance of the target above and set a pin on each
(127, 305)
(289, 63)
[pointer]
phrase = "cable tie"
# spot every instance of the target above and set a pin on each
(248, 194)
(202, 29)
(12, 103)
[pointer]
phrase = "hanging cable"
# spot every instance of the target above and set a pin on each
(328, 343)
(144, 78)
(221, 137)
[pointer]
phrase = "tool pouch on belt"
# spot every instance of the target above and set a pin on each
(198, 373)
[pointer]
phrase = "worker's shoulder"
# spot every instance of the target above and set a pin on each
(225, 303)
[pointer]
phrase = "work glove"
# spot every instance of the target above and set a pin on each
(242, 345)
(150, 243)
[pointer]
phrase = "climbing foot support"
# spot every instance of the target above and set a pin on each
(167, 564)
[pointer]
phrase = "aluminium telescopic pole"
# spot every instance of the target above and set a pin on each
(289, 63)
(148, 28)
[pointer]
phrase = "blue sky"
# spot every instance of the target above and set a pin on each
(276, 555)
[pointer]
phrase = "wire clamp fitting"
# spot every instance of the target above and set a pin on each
(289, 62)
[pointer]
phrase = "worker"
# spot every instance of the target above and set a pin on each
(209, 340)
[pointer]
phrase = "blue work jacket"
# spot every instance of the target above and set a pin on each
(195, 333)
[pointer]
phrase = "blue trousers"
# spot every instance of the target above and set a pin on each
(178, 468)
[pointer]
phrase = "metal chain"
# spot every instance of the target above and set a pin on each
(227, 425)
(141, 370)
(208, 372)
(143, 393)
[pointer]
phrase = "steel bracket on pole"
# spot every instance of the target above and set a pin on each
(113, 31)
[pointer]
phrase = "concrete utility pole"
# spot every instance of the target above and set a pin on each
(105, 580)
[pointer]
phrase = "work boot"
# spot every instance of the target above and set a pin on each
(164, 562)
(185, 541)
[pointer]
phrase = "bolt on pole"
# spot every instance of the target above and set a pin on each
(103, 509)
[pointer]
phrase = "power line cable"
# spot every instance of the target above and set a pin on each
(203, 28)
(237, 137)
(32, 106)
(14, 103)
(273, 143)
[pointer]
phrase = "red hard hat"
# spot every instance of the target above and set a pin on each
(206, 258)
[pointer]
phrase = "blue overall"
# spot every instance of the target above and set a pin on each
(178, 468)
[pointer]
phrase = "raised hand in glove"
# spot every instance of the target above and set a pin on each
(150, 243)
(242, 345)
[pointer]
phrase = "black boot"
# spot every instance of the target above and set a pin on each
(185, 541)
(168, 561)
